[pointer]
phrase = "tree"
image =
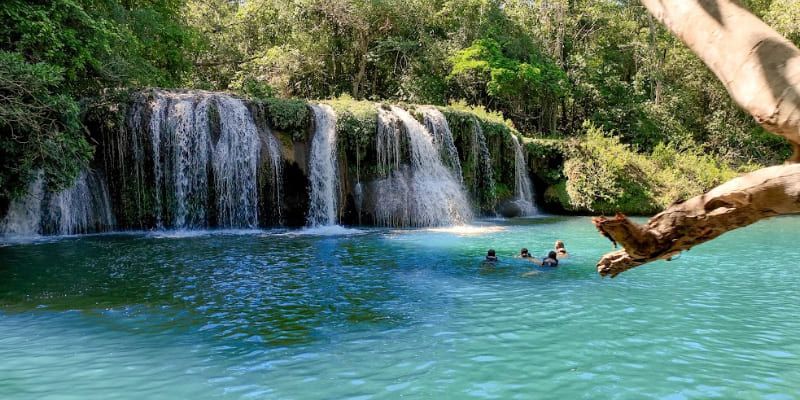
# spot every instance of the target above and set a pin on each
(53, 55)
(761, 71)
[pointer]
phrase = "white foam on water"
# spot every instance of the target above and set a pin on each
(327, 230)
(190, 233)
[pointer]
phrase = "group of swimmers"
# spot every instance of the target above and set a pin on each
(558, 253)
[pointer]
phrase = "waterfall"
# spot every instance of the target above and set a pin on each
(437, 125)
(196, 159)
(235, 163)
(482, 185)
(387, 142)
(84, 207)
(523, 187)
(185, 144)
(323, 174)
(421, 191)
(276, 176)
(24, 217)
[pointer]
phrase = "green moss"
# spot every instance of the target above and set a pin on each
(503, 191)
(356, 124)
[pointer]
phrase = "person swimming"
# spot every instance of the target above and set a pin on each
(561, 251)
(550, 261)
(491, 256)
(524, 253)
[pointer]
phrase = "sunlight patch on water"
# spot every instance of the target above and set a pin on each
(467, 230)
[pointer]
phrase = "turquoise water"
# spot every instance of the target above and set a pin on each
(388, 313)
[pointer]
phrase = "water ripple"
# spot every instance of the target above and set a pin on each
(384, 314)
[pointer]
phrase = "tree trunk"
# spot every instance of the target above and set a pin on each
(363, 49)
(761, 71)
(657, 70)
(739, 202)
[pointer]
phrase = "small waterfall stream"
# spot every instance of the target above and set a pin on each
(482, 186)
(24, 217)
(523, 188)
(437, 125)
(421, 191)
(273, 148)
(84, 207)
(323, 173)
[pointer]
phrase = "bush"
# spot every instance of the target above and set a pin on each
(288, 115)
(39, 128)
(604, 175)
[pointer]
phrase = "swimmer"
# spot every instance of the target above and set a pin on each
(524, 253)
(491, 256)
(561, 251)
(550, 261)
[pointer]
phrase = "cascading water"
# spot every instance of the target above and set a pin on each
(323, 174)
(437, 125)
(421, 192)
(185, 143)
(24, 217)
(82, 208)
(523, 187)
(482, 186)
(276, 176)
(200, 162)
(235, 163)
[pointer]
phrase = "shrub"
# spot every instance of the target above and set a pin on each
(604, 175)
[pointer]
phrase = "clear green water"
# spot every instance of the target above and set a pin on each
(386, 314)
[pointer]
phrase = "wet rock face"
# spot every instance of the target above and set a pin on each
(510, 209)
(295, 192)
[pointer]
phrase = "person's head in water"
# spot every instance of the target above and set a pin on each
(552, 254)
(560, 249)
(524, 253)
(491, 255)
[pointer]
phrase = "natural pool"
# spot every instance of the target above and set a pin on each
(388, 313)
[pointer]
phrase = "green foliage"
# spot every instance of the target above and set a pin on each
(288, 115)
(481, 112)
(545, 65)
(356, 121)
(100, 43)
(482, 71)
(54, 53)
(547, 157)
(503, 191)
(623, 180)
(39, 127)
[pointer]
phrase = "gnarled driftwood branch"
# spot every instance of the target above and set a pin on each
(734, 204)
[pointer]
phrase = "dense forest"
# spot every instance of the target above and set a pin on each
(601, 72)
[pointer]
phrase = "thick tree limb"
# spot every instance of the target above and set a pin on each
(734, 204)
(759, 67)
(761, 71)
